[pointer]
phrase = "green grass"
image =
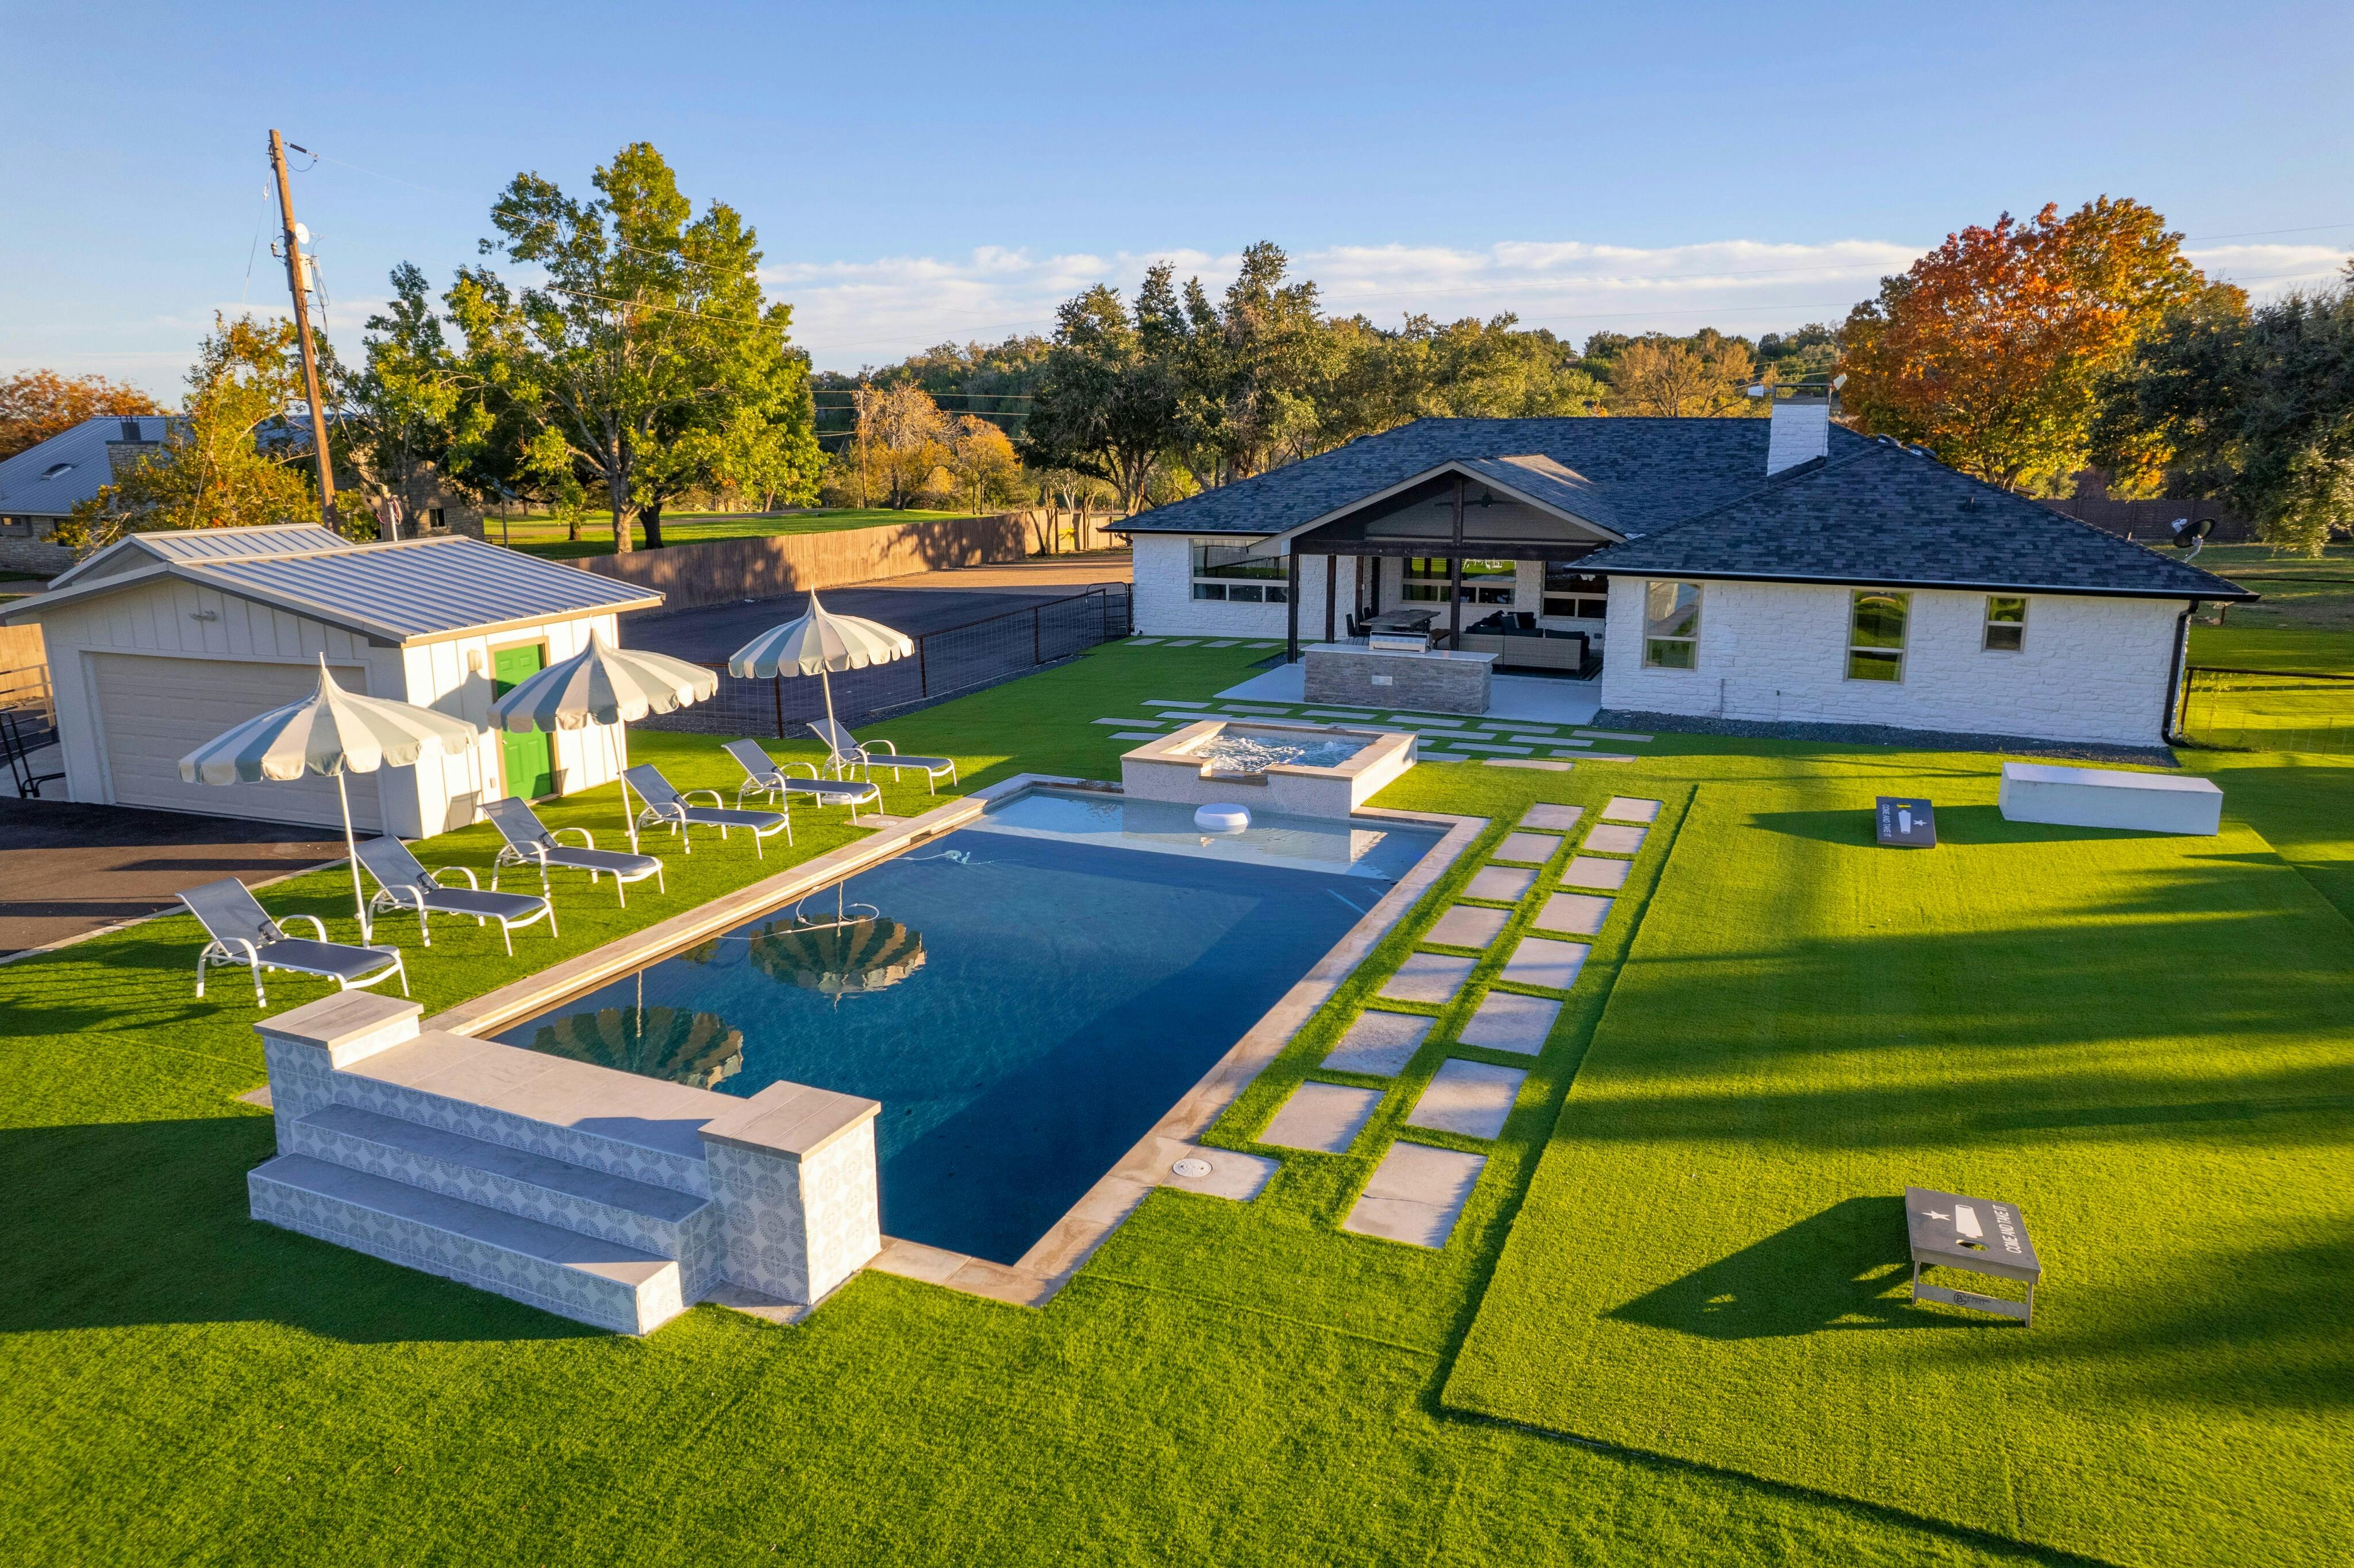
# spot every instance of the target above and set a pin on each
(2141, 1040)
(1224, 1383)
(547, 539)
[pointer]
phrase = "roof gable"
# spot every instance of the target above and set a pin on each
(135, 550)
(50, 479)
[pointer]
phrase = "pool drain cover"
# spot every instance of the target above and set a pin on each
(1192, 1169)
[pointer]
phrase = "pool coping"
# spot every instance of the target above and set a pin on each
(1055, 1258)
(1085, 1225)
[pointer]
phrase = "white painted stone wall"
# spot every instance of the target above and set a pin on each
(1165, 604)
(2092, 670)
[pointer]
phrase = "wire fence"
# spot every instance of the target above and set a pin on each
(2269, 710)
(945, 662)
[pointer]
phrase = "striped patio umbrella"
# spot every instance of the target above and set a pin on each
(334, 732)
(836, 958)
(818, 643)
(608, 687)
(674, 1043)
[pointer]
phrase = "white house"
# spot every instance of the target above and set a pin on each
(1782, 571)
(163, 641)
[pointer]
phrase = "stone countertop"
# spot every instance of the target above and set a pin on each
(1358, 650)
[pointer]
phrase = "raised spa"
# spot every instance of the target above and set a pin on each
(1234, 750)
(1302, 769)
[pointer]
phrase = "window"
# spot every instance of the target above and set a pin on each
(2006, 625)
(1580, 596)
(1671, 626)
(1232, 573)
(1875, 635)
(1484, 582)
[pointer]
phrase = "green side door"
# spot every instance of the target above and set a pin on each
(530, 759)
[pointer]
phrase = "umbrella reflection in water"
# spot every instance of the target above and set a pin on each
(674, 1043)
(849, 953)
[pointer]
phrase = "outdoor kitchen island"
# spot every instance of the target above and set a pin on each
(1414, 678)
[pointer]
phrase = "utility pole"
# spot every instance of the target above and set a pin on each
(298, 282)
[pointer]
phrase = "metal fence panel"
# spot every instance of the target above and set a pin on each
(2269, 710)
(945, 662)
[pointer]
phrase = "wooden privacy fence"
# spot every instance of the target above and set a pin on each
(945, 662)
(722, 571)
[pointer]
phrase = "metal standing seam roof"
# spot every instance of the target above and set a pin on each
(409, 591)
(52, 479)
(1889, 517)
(207, 544)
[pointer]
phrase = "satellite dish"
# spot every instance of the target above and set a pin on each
(301, 233)
(2189, 536)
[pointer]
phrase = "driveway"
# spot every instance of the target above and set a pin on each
(922, 602)
(68, 870)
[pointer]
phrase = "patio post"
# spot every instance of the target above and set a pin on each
(1332, 588)
(1291, 608)
(1455, 574)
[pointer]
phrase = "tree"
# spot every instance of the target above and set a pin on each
(1991, 348)
(37, 404)
(397, 414)
(1253, 366)
(1108, 399)
(982, 463)
(2255, 405)
(1707, 376)
(1465, 369)
(647, 339)
(213, 469)
(900, 443)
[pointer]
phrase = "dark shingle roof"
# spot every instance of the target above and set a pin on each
(1887, 515)
(1631, 475)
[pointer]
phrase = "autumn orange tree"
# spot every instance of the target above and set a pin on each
(1991, 348)
(37, 404)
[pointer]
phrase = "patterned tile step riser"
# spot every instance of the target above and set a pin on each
(679, 1172)
(691, 1240)
(535, 1282)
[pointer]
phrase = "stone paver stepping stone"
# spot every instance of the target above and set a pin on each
(1416, 1195)
(1323, 1116)
(1221, 1173)
(1138, 735)
(1504, 883)
(1616, 838)
(1429, 977)
(1603, 756)
(1542, 961)
(1336, 713)
(1225, 644)
(1485, 746)
(1469, 925)
(1526, 846)
(1117, 724)
(1426, 722)
(1380, 1045)
(1509, 1022)
(1582, 913)
(1260, 708)
(1142, 641)
(1469, 1097)
(1628, 809)
(1548, 765)
(1586, 870)
(1608, 734)
(1182, 642)
(1547, 817)
(1170, 702)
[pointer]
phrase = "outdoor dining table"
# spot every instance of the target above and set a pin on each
(1979, 1234)
(1403, 620)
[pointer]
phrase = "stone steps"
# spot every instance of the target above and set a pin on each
(513, 1180)
(586, 1279)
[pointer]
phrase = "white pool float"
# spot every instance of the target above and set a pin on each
(1222, 817)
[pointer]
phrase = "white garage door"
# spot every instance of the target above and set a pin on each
(153, 712)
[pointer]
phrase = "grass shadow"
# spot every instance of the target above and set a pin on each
(1955, 825)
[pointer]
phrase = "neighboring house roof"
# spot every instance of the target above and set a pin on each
(133, 551)
(52, 479)
(1889, 517)
(1631, 475)
(415, 590)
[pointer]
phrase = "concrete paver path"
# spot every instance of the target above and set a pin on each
(1628, 809)
(1542, 961)
(1379, 1044)
(1469, 1097)
(1322, 1116)
(1581, 914)
(1507, 1020)
(1469, 925)
(1616, 838)
(1503, 884)
(1526, 846)
(1429, 977)
(1416, 1195)
(1586, 870)
(1547, 817)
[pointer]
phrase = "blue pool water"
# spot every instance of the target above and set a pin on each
(1026, 996)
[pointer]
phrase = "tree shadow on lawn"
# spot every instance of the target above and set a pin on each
(1840, 1269)
(1856, 825)
(125, 1223)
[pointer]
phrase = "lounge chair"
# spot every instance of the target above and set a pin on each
(665, 806)
(529, 843)
(847, 751)
(243, 933)
(403, 884)
(763, 774)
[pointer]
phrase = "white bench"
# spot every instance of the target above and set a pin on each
(2108, 798)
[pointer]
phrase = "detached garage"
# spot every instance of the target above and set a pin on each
(161, 641)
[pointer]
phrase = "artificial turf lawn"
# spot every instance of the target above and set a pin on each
(1222, 1383)
(2143, 1041)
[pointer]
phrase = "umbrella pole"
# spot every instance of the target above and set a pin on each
(351, 852)
(826, 679)
(629, 818)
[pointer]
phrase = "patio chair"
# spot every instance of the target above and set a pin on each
(846, 751)
(763, 774)
(529, 843)
(666, 807)
(242, 932)
(403, 884)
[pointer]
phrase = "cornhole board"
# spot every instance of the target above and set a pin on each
(2108, 798)
(1907, 824)
(1979, 1234)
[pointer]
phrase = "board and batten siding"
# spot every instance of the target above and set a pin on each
(2093, 670)
(176, 622)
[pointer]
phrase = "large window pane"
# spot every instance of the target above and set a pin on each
(1863, 665)
(2006, 625)
(1875, 637)
(1671, 609)
(1668, 652)
(1235, 561)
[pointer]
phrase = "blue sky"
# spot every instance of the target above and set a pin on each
(921, 172)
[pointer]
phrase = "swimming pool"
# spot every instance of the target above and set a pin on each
(1026, 995)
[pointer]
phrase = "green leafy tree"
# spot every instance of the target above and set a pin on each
(1255, 365)
(37, 404)
(230, 460)
(648, 338)
(2256, 407)
(1109, 399)
(398, 414)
